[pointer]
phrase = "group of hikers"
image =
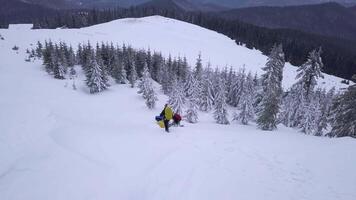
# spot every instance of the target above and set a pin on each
(166, 115)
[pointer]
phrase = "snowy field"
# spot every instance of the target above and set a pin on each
(61, 144)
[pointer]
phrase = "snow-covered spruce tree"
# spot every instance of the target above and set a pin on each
(192, 91)
(258, 92)
(206, 98)
(320, 115)
(157, 67)
(71, 59)
(308, 123)
(39, 50)
(344, 123)
(291, 102)
(73, 76)
(191, 87)
(149, 61)
(140, 61)
(47, 56)
(96, 79)
(235, 89)
(165, 80)
(63, 54)
(143, 82)
(191, 114)
(246, 108)
(184, 69)
(146, 88)
(118, 70)
(59, 68)
(302, 92)
(176, 97)
(272, 89)
(85, 58)
(309, 72)
(133, 73)
(198, 70)
(229, 86)
(151, 97)
(220, 107)
(103, 68)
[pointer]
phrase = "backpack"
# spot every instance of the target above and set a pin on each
(177, 117)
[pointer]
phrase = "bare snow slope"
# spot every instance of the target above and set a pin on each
(56, 143)
(168, 36)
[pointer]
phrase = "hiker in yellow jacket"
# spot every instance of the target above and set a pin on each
(167, 115)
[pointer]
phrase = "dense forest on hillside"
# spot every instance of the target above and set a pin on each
(330, 19)
(338, 55)
(19, 12)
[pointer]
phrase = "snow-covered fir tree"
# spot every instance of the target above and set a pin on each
(165, 80)
(191, 114)
(246, 108)
(146, 88)
(48, 53)
(309, 72)
(118, 70)
(344, 122)
(220, 107)
(198, 70)
(272, 89)
(308, 123)
(39, 50)
(96, 78)
(206, 98)
(291, 108)
(297, 107)
(192, 91)
(191, 87)
(133, 73)
(176, 97)
(157, 67)
(72, 76)
(59, 66)
(71, 59)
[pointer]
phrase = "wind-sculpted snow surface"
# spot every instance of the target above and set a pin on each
(57, 143)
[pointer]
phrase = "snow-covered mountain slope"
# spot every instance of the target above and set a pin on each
(168, 36)
(57, 143)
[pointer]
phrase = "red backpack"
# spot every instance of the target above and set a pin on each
(177, 117)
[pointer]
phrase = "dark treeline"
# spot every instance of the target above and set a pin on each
(339, 55)
(16, 11)
(261, 100)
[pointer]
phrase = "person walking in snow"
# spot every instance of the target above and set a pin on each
(167, 115)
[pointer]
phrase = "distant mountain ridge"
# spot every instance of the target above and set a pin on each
(197, 4)
(330, 19)
(254, 3)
